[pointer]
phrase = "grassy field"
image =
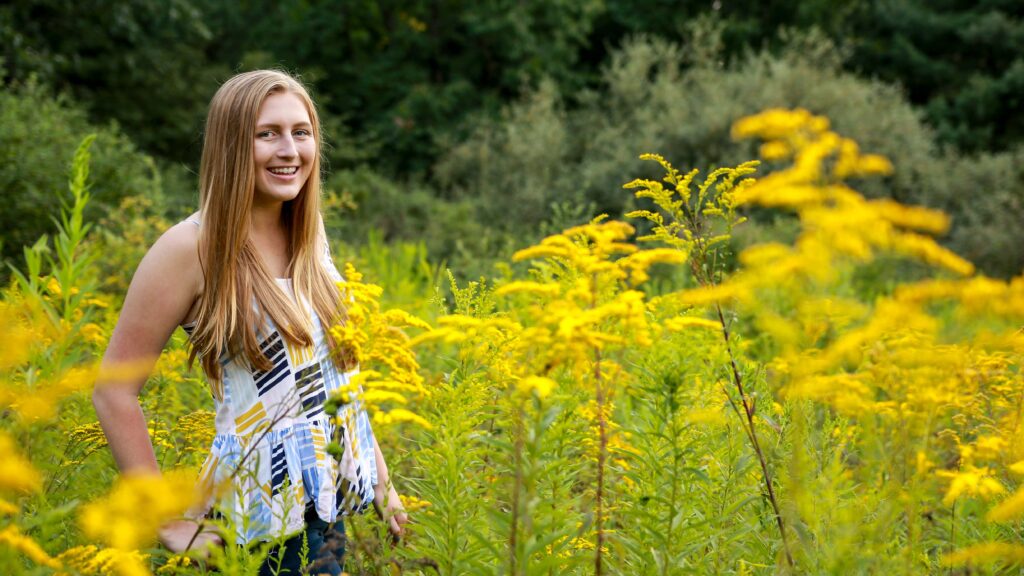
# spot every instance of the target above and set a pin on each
(625, 397)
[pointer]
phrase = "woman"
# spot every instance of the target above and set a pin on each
(250, 278)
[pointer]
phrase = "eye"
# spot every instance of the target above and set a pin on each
(265, 134)
(303, 133)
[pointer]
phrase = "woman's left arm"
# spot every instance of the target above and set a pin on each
(385, 497)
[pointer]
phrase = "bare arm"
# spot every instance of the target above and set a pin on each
(385, 497)
(163, 290)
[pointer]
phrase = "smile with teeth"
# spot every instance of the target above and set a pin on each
(284, 171)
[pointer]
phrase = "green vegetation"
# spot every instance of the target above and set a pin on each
(629, 404)
(454, 120)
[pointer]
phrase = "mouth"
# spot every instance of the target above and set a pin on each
(284, 170)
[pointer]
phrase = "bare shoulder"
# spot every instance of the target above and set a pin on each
(163, 290)
(179, 244)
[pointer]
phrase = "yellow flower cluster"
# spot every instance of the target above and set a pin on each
(896, 363)
(685, 216)
(589, 306)
(129, 517)
(197, 431)
(413, 504)
(837, 222)
(931, 367)
(16, 473)
(376, 341)
(89, 560)
(12, 537)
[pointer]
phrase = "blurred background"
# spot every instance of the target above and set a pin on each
(465, 129)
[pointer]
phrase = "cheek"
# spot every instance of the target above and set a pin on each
(260, 156)
(308, 152)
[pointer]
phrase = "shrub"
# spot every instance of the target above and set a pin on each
(656, 95)
(361, 202)
(38, 133)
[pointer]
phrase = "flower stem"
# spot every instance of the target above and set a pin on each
(749, 427)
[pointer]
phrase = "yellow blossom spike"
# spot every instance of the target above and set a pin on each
(682, 323)
(12, 537)
(16, 472)
(986, 553)
(1008, 510)
(538, 385)
(129, 516)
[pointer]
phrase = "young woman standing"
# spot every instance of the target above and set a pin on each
(250, 278)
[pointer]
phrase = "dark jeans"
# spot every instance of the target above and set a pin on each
(326, 550)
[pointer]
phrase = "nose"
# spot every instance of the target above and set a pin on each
(287, 148)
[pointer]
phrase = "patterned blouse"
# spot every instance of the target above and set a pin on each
(269, 458)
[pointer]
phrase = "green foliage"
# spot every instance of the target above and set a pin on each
(142, 63)
(683, 489)
(961, 61)
(363, 206)
(659, 95)
(38, 133)
(402, 73)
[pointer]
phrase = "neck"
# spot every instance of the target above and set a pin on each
(266, 219)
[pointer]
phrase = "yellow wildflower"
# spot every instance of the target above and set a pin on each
(681, 323)
(986, 553)
(412, 503)
(971, 481)
(7, 508)
(94, 334)
(16, 473)
(538, 385)
(128, 518)
(197, 430)
(396, 415)
(12, 537)
(92, 561)
(1008, 510)
(524, 287)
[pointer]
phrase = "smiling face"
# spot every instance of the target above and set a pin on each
(284, 148)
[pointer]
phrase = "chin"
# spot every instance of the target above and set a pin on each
(277, 194)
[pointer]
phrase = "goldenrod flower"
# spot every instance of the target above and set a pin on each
(681, 323)
(971, 481)
(1008, 510)
(986, 553)
(89, 560)
(129, 517)
(16, 472)
(12, 537)
(538, 385)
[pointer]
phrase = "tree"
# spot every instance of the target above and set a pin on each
(961, 60)
(140, 62)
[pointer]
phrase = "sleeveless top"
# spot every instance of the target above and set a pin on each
(269, 460)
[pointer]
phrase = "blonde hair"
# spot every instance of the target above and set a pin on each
(234, 272)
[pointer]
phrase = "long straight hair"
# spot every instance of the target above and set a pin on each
(235, 275)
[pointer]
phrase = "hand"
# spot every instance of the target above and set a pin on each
(177, 535)
(396, 525)
(395, 516)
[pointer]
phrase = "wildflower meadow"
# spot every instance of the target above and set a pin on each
(658, 394)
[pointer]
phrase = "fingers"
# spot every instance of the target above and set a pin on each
(395, 530)
(209, 539)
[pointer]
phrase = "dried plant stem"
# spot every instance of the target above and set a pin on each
(747, 418)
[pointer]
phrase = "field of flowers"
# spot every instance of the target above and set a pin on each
(626, 397)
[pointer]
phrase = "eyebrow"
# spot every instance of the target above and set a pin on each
(274, 125)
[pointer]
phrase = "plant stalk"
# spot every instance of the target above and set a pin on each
(751, 430)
